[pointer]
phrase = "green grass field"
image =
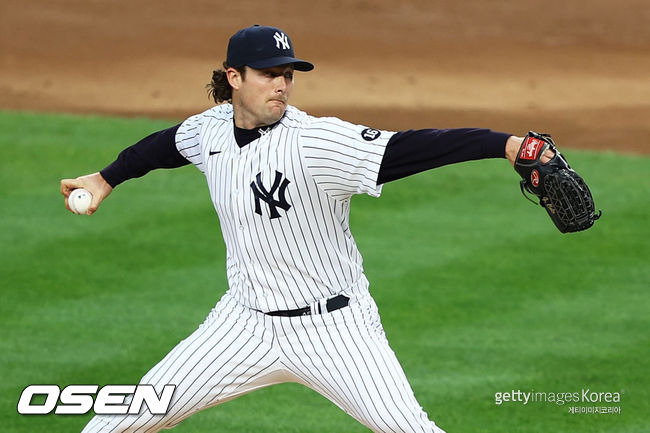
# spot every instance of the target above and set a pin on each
(479, 293)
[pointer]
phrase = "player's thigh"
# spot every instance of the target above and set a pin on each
(228, 355)
(345, 356)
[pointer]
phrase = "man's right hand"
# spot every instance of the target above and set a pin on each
(93, 183)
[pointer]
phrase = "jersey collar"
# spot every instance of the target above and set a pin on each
(245, 136)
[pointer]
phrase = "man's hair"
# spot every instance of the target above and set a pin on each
(219, 88)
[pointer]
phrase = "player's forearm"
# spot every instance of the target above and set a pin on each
(157, 150)
(414, 151)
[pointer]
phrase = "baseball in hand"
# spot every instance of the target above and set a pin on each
(79, 200)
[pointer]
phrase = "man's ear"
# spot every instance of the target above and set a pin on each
(234, 78)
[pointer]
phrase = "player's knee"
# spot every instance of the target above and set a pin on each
(416, 424)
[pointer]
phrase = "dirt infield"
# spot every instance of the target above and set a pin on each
(576, 69)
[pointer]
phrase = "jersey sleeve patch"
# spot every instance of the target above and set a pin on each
(370, 134)
(344, 158)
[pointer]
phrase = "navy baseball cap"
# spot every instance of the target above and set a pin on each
(263, 47)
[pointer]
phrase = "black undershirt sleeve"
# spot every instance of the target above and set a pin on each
(414, 151)
(407, 152)
(158, 150)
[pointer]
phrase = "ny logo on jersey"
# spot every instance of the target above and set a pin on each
(261, 193)
(281, 38)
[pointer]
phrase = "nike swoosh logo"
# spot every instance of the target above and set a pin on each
(214, 152)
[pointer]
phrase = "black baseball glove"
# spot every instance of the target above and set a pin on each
(561, 191)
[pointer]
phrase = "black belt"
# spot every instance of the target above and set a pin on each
(331, 304)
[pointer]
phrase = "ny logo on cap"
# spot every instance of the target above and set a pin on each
(262, 194)
(281, 38)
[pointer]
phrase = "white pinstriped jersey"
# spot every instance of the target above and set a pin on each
(283, 201)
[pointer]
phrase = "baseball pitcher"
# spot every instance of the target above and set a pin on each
(298, 307)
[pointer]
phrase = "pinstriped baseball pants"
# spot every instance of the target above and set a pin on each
(343, 355)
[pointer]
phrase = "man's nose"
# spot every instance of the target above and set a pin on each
(280, 84)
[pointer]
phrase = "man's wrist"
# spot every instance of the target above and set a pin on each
(513, 143)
